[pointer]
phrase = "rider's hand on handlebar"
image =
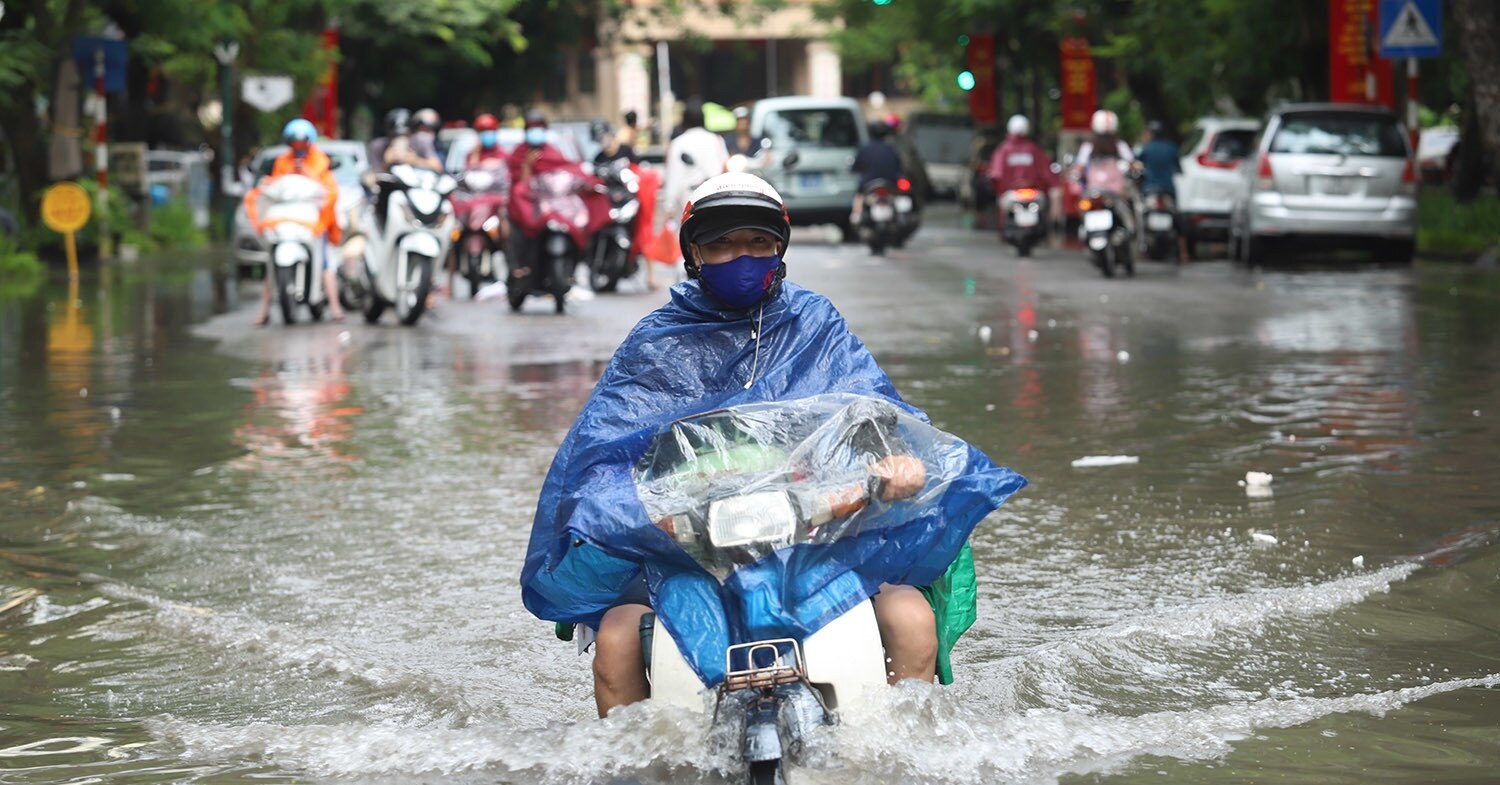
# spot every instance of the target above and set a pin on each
(903, 476)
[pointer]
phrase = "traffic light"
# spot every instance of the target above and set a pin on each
(966, 80)
(881, 2)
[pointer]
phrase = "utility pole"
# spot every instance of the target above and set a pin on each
(226, 52)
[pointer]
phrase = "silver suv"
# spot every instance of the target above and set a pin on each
(1332, 175)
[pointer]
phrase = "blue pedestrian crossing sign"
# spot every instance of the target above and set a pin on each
(1411, 28)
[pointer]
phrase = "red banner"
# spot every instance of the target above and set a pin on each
(1079, 85)
(322, 107)
(980, 60)
(1356, 73)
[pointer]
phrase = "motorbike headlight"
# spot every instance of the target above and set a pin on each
(425, 202)
(556, 226)
(557, 244)
(756, 517)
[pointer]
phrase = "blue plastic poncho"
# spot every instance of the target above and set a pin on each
(592, 536)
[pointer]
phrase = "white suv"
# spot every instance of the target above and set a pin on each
(1210, 179)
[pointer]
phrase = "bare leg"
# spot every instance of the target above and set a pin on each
(331, 286)
(264, 314)
(619, 663)
(909, 631)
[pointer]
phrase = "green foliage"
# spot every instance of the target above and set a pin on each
(21, 272)
(1446, 226)
(172, 227)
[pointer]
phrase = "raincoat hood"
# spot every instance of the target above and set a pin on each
(592, 536)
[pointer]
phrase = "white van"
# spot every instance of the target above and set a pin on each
(812, 143)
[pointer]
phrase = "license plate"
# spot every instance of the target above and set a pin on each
(1027, 219)
(882, 212)
(1332, 186)
(810, 180)
(1159, 222)
(1098, 221)
(903, 204)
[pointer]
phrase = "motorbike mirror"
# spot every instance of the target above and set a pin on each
(791, 159)
(688, 159)
(1056, 168)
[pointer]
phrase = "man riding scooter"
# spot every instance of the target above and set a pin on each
(1022, 174)
(533, 164)
(1159, 158)
(480, 207)
(303, 158)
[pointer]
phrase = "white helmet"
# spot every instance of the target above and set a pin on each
(1018, 125)
(1104, 122)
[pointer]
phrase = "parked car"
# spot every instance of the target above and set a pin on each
(181, 175)
(1338, 175)
(464, 139)
(813, 143)
(350, 162)
(1211, 157)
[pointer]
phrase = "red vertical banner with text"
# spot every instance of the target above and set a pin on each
(1356, 72)
(980, 60)
(1079, 85)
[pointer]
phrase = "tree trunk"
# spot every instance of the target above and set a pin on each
(1479, 37)
(1468, 164)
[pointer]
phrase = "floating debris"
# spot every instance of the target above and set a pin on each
(1094, 461)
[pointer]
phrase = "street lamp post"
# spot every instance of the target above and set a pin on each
(225, 53)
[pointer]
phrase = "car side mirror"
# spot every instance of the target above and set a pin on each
(791, 159)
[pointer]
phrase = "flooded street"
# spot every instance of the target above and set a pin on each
(233, 555)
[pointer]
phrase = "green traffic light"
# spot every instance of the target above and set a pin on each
(963, 40)
(881, 2)
(966, 80)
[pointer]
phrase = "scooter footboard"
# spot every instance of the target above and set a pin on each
(844, 660)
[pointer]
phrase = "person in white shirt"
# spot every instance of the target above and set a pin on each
(693, 157)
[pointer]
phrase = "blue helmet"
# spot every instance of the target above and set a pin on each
(299, 130)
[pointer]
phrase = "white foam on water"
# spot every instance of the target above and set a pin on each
(1095, 461)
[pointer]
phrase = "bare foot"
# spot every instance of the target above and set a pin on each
(262, 320)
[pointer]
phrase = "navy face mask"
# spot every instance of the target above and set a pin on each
(741, 282)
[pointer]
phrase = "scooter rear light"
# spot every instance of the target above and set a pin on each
(882, 192)
(1026, 194)
(1085, 204)
(1264, 179)
(904, 184)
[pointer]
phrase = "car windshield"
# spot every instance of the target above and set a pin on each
(1339, 133)
(813, 128)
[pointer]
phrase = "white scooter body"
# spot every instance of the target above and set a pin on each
(845, 662)
(402, 254)
(291, 206)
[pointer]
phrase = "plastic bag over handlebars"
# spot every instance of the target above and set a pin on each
(596, 529)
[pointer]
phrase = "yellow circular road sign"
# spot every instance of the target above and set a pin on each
(66, 207)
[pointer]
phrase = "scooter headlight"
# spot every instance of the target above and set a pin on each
(766, 517)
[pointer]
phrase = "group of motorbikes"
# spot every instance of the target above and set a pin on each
(1119, 217)
(417, 218)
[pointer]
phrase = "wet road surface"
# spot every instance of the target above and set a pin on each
(290, 554)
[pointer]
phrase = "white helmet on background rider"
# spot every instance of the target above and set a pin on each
(1018, 125)
(1104, 122)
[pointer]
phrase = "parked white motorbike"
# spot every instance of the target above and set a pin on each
(290, 212)
(408, 229)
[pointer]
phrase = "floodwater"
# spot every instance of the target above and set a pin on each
(290, 555)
